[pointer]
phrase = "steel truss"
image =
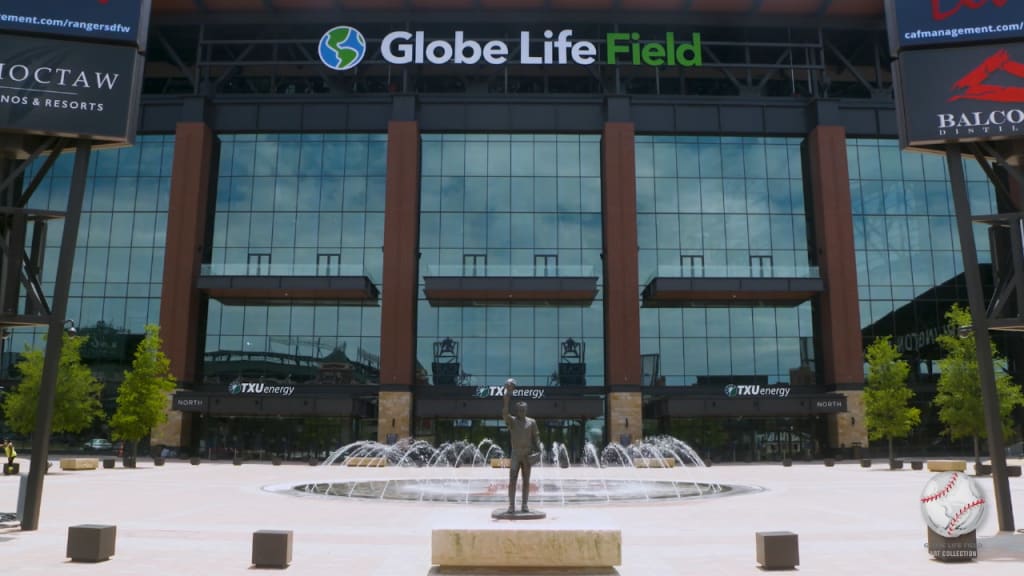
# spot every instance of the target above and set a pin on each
(23, 235)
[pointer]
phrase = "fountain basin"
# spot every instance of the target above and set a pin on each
(550, 491)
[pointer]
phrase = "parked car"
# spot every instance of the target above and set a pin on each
(98, 445)
(1015, 450)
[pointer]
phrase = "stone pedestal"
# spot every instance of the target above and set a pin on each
(559, 544)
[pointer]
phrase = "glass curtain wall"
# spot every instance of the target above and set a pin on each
(119, 259)
(509, 205)
(296, 205)
(909, 267)
(723, 207)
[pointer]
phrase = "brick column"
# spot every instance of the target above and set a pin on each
(181, 303)
(401, 270)
(838, 306)
(623, 371)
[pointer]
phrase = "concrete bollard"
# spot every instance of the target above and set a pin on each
(272, 548)
(91, 542)
(778, 550)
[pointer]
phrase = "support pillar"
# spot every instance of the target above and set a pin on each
(400, 281)
(181, 304)
(838, 307)
(623, 371)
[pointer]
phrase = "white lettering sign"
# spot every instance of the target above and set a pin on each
(499, 391)
(260, 388)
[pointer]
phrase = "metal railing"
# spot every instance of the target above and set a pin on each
(511, 270)
(724, 271)
(265, 269)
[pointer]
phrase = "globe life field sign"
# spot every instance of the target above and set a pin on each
(344, 47)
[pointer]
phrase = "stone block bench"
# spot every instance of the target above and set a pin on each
(526, 545)
(947, 465)
(366, 462)
(91, 542)
(79, 463)
(654, 462)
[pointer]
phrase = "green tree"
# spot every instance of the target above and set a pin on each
(958, 394)
(77, 399)
(886, 395)
(143, 397)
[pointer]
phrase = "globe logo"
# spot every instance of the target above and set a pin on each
(342, 48)
(731, 391)
(483, 391)
(235, 388)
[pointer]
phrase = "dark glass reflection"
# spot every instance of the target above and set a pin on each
(509, 205)
(723, 207)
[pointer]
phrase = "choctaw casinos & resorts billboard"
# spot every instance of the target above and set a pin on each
(72, 68)
(74, 89)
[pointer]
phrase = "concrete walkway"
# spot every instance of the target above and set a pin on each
(183, 519)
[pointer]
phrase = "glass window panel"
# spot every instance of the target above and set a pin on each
(568, 157)
(710, 162)
(711, 195)
(713, 226)
(741, 322)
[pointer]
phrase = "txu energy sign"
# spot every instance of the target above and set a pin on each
(344, 47)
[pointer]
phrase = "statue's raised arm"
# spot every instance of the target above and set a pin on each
(510, 385)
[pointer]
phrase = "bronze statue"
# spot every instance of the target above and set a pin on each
(525, 453)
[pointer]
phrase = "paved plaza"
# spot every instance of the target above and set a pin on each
(183, 519)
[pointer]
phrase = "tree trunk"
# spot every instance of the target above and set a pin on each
(977, 450)
(890, 449)
(130, 448)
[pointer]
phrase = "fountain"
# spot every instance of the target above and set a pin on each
(461, 472)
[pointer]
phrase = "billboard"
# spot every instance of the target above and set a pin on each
(109, 21)
(920, 23)
(961, 94)
(75, 89)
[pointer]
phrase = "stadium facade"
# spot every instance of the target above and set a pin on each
(355, 219)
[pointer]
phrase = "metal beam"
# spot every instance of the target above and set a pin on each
(983, 345)
(188, 72)
(26, 195)
(849, 66)
(1018, 263)
(24, 164)
(54, 340)
(1000, 186)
